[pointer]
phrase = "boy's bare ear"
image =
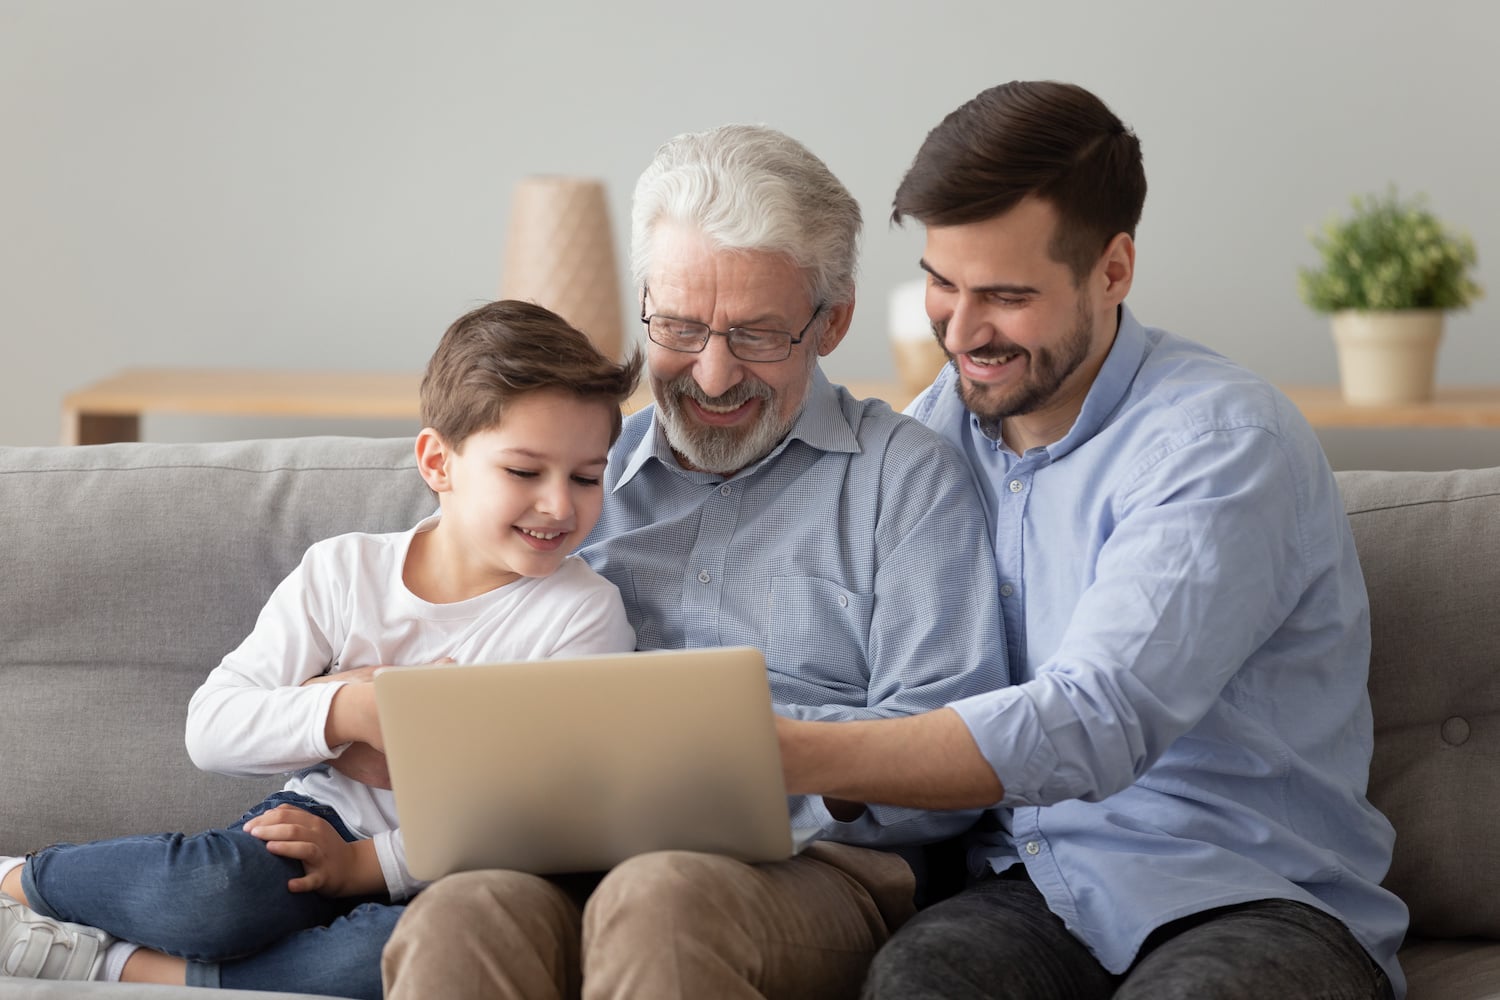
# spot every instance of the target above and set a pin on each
(432, 459)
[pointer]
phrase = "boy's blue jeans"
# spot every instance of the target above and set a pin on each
(219, 899)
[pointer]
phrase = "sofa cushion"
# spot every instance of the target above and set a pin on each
(1429, 544)
(131, 570)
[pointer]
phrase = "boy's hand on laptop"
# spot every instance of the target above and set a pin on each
(332, 866)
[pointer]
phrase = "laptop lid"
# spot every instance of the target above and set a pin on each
(571, 765)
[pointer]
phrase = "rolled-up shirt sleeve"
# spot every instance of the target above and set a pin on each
(1203, 564)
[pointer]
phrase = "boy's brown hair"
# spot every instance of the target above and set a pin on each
(499, 352)
(1053, 140)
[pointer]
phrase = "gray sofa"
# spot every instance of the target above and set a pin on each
(129, 570)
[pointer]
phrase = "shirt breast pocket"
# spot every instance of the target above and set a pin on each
(820, 633)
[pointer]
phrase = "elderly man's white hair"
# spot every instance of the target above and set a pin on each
(749, 187)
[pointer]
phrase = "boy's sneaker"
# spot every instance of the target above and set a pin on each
(36, 947)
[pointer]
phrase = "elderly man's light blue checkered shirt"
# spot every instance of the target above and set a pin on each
(854, 555)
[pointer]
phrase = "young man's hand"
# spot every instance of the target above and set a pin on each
(332, 866)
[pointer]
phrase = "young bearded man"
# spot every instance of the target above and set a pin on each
(1180, 769)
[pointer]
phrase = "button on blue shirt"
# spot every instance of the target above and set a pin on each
(854, 556)
(1189, 632)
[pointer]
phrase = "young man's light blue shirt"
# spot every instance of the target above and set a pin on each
(854, 556)
(1189, 635)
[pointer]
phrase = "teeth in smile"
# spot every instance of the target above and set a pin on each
(987, 362)
(545, 536)
(711, 408)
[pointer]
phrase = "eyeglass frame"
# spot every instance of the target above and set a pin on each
(728, 335)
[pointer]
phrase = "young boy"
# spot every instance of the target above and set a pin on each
(519, 411)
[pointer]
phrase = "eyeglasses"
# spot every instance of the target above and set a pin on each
(746, 343)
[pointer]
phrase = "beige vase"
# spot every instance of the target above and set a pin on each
(560, 253)
(1387, 357)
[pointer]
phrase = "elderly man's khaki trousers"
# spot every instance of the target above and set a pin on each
(668, 925)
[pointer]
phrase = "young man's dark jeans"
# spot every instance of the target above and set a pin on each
(998, 941)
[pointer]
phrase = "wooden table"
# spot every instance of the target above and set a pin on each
(110, 410)
(1451, 407)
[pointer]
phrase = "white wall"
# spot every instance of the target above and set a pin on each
(326, 184)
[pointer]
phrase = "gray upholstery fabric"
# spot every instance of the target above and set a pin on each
(1429, 544)
(129, 571)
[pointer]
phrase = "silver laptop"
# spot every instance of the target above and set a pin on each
(573, 765)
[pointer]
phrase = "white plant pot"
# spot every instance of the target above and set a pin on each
(1387, 357)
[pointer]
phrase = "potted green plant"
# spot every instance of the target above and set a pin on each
(1389, 273)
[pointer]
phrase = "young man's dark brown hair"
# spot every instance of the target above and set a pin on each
(502, 350)
(1056, 141)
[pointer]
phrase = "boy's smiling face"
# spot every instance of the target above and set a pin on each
(519, 497)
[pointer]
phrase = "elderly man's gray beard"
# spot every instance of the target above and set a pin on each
(723, 450)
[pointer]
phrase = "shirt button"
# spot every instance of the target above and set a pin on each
(726, 491)
(1016, 486)
(1033, 848)
(843, 600)
(703, 576)
(1006, 590)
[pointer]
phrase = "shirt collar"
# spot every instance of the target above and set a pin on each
(1110, 386)
(822, 425)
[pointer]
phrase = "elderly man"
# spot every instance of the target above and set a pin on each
(1185, 753)
(755, 504)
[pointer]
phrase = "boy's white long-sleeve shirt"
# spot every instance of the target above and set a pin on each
(345, 606)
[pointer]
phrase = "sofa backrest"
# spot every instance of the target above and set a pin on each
(1429, 544)
(128, 572)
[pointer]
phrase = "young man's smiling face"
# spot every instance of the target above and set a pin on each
(518, 497)
(1027, 337)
